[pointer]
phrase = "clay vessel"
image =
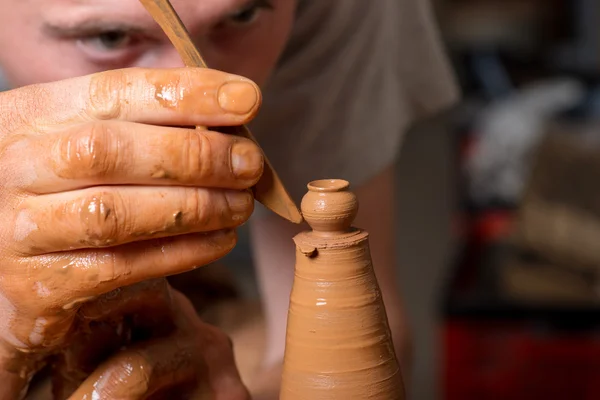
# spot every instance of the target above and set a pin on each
(338, 343)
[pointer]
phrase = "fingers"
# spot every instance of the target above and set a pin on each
(70, 279)
(138, 373)
(111, 216)
(199, 355)
(120, 153)
(152, 296)
(161, 367)
(181, 97)
(123, 316)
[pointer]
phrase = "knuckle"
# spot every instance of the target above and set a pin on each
(113, 266)
(196, 156)
(87, 152)
(196, 205)
(106, 270)
(106, 94)
(100, 215)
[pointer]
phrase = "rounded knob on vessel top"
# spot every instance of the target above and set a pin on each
(329, 206)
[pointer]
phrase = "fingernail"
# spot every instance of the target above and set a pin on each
(238, 97)
(241, 203)
(246, 160)
(223, 236)
(224, 240)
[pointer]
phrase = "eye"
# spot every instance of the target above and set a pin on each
(245, 16)
(114, 47)
(109, 41)
(249, 13)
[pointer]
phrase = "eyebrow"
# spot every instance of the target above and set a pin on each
(94, 26)
(88, 28)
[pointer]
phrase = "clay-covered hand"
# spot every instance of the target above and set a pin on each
(100, 190)
(194, 362)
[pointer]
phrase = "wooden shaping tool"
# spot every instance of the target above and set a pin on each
(269, 190)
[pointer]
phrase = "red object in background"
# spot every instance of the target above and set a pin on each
(497, 349)
(487, 360)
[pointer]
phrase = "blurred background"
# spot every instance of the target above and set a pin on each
(516, 296)
(497, 212)
(498, 215)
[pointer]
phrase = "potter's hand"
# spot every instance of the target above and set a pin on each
(195, 362)
(98, 191)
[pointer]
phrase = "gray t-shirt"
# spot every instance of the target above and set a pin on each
(354, 76)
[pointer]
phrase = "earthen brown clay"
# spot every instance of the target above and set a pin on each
(269, 190)
(338, 343)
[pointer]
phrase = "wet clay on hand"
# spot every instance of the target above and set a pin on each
(269, 190)
(102, 203)
(195, 361)
(338, 343)
(103, 327)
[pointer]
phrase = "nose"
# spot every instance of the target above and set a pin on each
(169, 59)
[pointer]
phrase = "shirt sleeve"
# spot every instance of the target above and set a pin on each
(354, 76)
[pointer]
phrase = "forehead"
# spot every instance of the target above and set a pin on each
(191, 11)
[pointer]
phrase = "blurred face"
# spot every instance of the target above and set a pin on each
(48, 40)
